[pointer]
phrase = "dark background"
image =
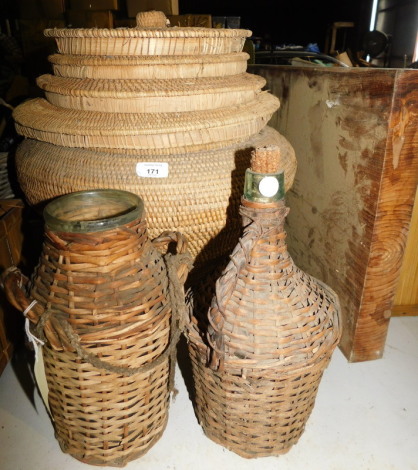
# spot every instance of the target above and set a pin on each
(288, 21)
(297, 22)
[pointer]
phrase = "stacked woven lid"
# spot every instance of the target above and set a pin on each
(177, 98)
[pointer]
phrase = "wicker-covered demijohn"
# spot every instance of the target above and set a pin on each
(259, 355)
(105, 302)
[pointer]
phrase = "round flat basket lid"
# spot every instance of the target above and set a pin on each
(148, 40)
(150, 96)
(149, 67)
(195, 130)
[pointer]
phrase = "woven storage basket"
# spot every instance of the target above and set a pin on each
(104, 305)
(271, 329)
(200, 123)
(146, 42)
(202, 211)
(151, 96)
(149, 67)
(173, 132)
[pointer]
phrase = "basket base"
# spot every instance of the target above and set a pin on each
(242, 452)
(260, 415)
(118, 462)
(103, 418)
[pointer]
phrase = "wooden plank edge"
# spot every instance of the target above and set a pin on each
(405, 311)
(395, 204)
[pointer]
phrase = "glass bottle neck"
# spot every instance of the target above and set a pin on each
(263, 187)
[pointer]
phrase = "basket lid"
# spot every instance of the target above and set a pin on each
(150, 88)
(195, 130)
(125, 61)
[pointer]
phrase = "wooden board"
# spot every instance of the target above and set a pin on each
(406, 297)
(11, 241)
(354, 133)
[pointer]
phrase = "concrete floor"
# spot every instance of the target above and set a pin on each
(365, 418)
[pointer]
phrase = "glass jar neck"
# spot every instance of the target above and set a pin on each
(92, 211)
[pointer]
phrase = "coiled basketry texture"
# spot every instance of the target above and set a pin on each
(149, 67)
(150, 96)
(192, 131)
(206, 213)
(180, 97)
(148, 41)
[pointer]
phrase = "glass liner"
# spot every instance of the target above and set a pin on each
(92, 211)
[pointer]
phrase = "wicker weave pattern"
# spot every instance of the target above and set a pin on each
(300, 310)
(174, 32)
(151, 104)
(107, 425)
(151, 19)
(151, 67)
(271, 332)
(152, 88)
(99, 267)
(248, 414)
(151, 93)
(104, 309)
(55, 119)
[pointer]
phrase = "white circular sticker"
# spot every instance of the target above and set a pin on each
(268, 186)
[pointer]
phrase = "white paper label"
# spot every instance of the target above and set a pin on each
(152, 169)
(268, 186)
(40, 377)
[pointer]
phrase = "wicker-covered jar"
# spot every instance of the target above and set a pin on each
(101, 301)
(259, 356)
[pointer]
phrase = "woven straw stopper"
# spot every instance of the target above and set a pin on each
(266, 159)
(151, 19)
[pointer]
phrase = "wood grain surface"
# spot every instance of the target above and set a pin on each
(354, 133)
(406, 298)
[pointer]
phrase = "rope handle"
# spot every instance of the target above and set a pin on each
(59, 332)
(15, 286)
(169, 240)
(178, 264)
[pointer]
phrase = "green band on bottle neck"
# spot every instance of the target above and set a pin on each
(262, 187)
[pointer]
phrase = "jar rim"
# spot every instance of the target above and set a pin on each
(92, 210)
